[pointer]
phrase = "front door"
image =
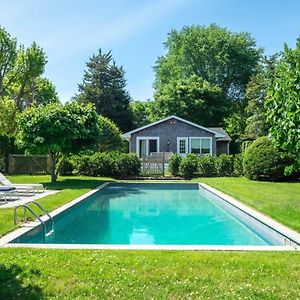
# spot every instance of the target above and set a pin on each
(182, 146)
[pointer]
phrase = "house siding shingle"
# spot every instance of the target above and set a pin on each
(169, 130)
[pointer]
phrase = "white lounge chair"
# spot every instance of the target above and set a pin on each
(22, 188)
(6, 193)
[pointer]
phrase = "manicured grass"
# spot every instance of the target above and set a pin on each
(280, 200)
(69, 189)
(86, 274)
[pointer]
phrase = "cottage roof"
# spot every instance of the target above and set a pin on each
(221, 131)
(218, 134)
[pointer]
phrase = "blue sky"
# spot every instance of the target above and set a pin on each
(71, 31)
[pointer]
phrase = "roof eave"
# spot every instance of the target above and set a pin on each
(129, 133)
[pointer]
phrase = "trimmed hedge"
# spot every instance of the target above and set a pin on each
(174, 164)
(204, 166)
(262, 161)
(207, 166)
(224, 165)
(189, 166)
(104, 164)
(238, 169)
(66, 166)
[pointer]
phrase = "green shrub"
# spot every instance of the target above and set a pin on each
(103, 164)
(189, 166)
(66, 166)
(207, 166)
(174, 164)
(108, 164)
(262, 161)
(127, 164)
(224, 165)
(110, 138)
(82, 165)
(238, 165)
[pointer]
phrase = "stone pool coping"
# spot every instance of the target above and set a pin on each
(4, 241)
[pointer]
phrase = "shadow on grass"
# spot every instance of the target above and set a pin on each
(12, 284)
(75, 183)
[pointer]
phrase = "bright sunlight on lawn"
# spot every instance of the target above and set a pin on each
(279, 200)
(88, 274)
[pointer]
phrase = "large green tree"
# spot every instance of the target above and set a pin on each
(30, 65)
(21, 72)
(143, 112)
(221, 57)
(193, 99)
(283, 105)
(105, 86)
(8, 55)
(256, 92)
(58, 130)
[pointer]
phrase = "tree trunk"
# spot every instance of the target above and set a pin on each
(32, 93)
(53, 171)
(19, 96)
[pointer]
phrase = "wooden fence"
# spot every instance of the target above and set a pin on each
(29, 164)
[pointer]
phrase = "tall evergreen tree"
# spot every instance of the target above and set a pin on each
(104, 85)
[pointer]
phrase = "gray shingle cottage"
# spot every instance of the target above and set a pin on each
(174, 134)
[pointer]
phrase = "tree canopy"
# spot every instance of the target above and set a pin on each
(58, 130)
(45, 92)
(30, 64)
(283, 104)
(217, 55)
(192, 98)
(21, 71)
(110, 135)
(8, 55)
(8, 113)
(256, 92)
(104, 86)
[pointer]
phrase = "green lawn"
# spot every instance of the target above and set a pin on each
(94, 274)
(86, 274)
(69, 187)
(280, 200)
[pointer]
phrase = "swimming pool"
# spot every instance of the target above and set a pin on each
(155, 214)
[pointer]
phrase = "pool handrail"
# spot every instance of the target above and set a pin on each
(26, 207)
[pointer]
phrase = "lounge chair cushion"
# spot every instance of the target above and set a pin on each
(7, 188)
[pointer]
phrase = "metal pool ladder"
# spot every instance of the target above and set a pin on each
(26, 207)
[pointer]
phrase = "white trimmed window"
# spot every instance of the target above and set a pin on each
(200, 146)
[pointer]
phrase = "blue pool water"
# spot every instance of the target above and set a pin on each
(165, 214)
